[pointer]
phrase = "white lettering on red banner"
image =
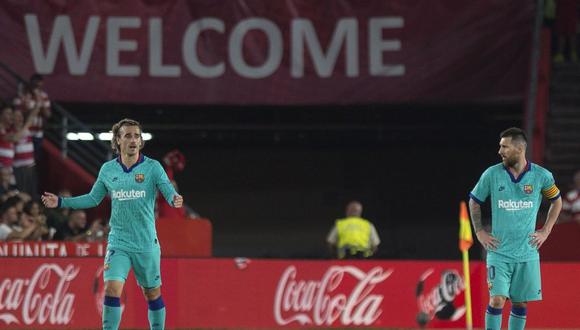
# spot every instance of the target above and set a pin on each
(303, 40)
(27, 249)
(325, 301)
(51, 249)
(38, 300)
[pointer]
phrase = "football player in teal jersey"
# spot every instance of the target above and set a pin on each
(516, 188)
(132, 181)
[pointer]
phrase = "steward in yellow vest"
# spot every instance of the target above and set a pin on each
(353, 236)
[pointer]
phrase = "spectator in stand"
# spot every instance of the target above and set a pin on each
(30, 97)
(571, 205)
(9, 135)
(30, 228)
(18, 226)
(98, 232)
(6, 142)
(353, 237)
(36, 213)
(75, 229)
(24, 164)
(8, 216)
(7, 187)
(565, 28)
(19, 201)
(58, 217)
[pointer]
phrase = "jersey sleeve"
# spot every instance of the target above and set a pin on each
(549, 188)
(164, 185)
(92, 199)
(482, 189)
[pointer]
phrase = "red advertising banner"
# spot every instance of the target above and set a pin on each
(238, 293)
(59, 293)
(271, 52)
(53, 249)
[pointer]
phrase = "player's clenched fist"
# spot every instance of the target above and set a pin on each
(177, 200)
(49, 200)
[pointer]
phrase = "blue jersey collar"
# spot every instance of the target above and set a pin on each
(519, 178)
(127, 170)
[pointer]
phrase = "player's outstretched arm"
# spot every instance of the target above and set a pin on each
(49, 200)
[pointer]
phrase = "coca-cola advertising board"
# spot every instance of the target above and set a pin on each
(67, 293)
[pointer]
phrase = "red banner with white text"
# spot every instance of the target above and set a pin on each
(52, 249)
(58, 293)
(271, 52)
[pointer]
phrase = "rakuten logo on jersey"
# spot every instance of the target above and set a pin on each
(511, 205)
(324, 301)
(126, 195)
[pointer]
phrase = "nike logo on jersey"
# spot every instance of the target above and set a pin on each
(501, 188)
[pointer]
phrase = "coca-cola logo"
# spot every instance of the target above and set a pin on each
(439, 301)
(324, 301)
(42, 298)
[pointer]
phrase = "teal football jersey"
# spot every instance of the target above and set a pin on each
(514, 208)
(133, 191)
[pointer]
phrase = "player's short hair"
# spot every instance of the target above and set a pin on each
(517, 135)
(117, 127)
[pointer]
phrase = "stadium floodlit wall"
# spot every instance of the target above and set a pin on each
(57, 293)
(272, 52)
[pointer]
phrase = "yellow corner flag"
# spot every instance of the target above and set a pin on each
(465, 242)
(465, 237)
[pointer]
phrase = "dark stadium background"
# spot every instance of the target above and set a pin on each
(273, 179)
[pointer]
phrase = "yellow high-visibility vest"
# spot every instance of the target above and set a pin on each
(354, 235)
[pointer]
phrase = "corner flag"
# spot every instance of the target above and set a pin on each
(465, 237)
(465, 242)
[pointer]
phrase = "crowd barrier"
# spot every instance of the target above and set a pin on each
(58, 293)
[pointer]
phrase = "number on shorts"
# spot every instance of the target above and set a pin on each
(110, 254)
(491, 272)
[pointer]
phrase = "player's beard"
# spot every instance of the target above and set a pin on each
(509, 161)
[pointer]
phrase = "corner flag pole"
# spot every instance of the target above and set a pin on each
(465, 242)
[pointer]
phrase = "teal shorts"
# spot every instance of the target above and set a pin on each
(518, 281)
(146, 266)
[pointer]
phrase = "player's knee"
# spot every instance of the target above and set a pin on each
(523, 304)
(113, 288)
(152, 293)
(497, 301)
